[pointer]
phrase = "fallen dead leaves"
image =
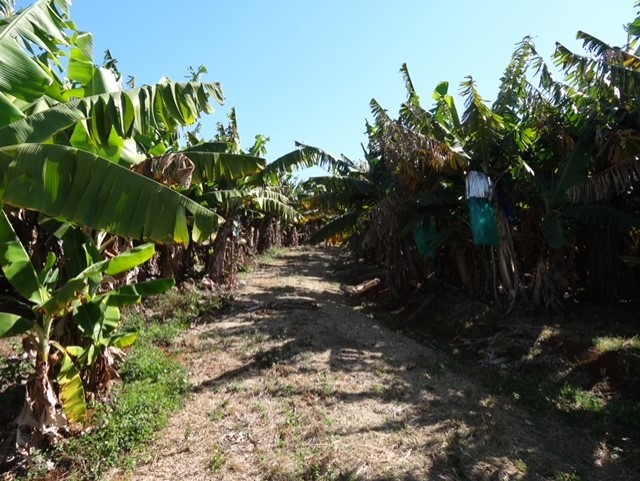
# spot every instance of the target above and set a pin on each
(292, 383)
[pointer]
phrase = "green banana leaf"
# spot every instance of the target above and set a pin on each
(213, 166)
(90, 319)
(42, 125)
(305, 156)
(65, 182)
(575, 169)
(262, 200)
(81, 66)
(133, 293)
(222, 198)
(64, 297)
(13, 324)
(129, 259)
(8, 111)
(343, 225)
(339, 192)
(602, 216)
(16, 264)
(42, 24)
(275, 204)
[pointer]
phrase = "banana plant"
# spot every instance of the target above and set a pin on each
(67, 143)
(237, 184)
(45, 309)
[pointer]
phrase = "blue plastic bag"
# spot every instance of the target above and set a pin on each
(483, 222)
(423, 234)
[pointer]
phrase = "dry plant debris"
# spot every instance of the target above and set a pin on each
(289, 393)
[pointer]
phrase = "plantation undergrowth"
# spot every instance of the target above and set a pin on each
(288, 379)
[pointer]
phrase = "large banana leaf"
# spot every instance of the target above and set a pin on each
(128, 260)
(213, 166)
(68, 293)
(81, 64)
(483, 127)
(42, 24)
(575, 169)
(275, 204)
(262, 200)
(13, 324)
(413, 153)
(222, 198)
(166, 104)
(134, 293)
(7, 7)
(335, 192)
(40, 126)
(107, 121)
(144, 111)
(8, 111)
(16, 264)
(514, 86)
(344, 225)
(92, 191)
(603, 216)
(305, 156)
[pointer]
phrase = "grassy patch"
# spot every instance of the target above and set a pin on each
(563, 476)
(217, 460)
(581, 400)
(269, 256)
(154, 386)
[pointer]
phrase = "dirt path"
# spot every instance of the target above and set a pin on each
(294, 383)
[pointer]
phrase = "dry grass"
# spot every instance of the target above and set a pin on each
(328, 394)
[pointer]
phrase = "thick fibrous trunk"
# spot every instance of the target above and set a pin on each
(268, 235)
(509, 274)
(41, 418)
(291, 237)
(171, 261)
(216, 267)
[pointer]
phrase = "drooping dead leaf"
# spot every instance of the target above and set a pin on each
(42, 418)
(169, 169)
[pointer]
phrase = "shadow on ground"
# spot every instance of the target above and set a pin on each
(475, 433)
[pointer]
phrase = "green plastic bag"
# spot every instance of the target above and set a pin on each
(483, 222)
(423, 234)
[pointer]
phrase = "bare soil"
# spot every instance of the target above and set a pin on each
(291, 382)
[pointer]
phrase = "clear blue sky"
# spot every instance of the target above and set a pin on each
(306, 70)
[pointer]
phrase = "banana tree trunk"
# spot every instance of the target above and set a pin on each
(217, 264)
(291, 237)
(171, 261)
(509, 273)
(268, 239)
(42, 417)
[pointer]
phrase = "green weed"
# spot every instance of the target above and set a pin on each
(292, 416)
(218, 459)
(153, 387)
(572, 476)
(269, 256)
(580, 399)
